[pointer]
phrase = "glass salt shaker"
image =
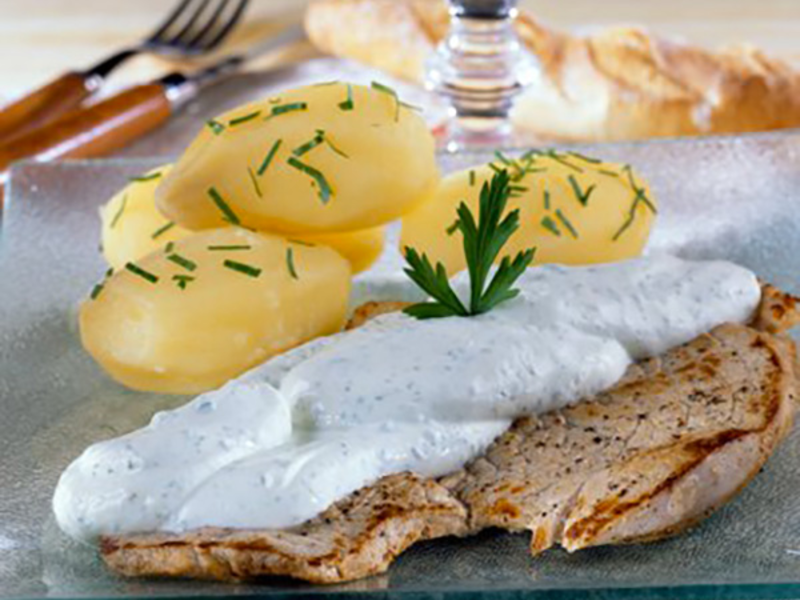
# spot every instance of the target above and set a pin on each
(479, 68)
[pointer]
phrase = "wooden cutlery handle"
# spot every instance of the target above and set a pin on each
(44, 105)
(93, 131)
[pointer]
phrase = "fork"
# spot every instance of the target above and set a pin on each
(193, 28)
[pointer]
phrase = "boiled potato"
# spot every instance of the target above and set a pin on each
(573, 209)
(133, 228)
(318, 159)
(190, 318)
(131, 225)
(361, 248)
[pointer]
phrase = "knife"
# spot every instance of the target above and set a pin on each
(120, 119)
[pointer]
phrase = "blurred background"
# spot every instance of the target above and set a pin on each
(41, 38)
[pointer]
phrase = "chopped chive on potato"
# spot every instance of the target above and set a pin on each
(132, 227)
(575, 210)
(316, 159)
(188, 318)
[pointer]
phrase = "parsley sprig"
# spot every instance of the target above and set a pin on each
(483, 242)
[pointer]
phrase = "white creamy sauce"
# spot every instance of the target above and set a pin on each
(284, 441)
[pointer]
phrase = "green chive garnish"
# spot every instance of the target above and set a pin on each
(554, 155)
(215, 126)
(495, 168)
(242, 268)
(324, 189)
(452, 228)
(290, 263)
(502, 157)
(547, 199)
(330, 144)
(326, 83)
(182, 280)
(282, 109)
(96, 291)
(119, 212)
(309, 145)
(231, 247)
(302, 243)
(227, 214)
(244, 118)
(472, 178)
(150, 177)
(565, 222)
(182, 261)
(551, 226)
(626, 224)
(640, 194)
(607, 172)
(581, 195)
(255, 182)
(168, 248)
(162, 230)
(348, 103)
(268, 158)
(137, 270)
(588, 159)
(387, 90)
(411, 106)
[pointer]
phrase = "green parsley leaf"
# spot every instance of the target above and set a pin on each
(482, 242)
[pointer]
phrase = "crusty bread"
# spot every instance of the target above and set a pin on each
(677, 437)
(622, 83)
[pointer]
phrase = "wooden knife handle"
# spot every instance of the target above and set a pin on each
(93, 131)
(44, 105)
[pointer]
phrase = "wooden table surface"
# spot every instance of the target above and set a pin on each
(41, 38)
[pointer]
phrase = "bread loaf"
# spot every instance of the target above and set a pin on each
(621, 83)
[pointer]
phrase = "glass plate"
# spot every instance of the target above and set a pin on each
(733, 197)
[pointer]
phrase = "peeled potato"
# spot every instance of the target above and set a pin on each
(558, 214)
(202, 322)
(133, 228)
(318, 159)
(361, 248)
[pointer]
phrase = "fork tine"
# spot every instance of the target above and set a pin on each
(226, 29)
(196, 41)
(178, 40)
(169, 21)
